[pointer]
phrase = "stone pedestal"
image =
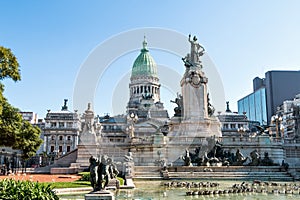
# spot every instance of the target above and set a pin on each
(194, 100)
(100, 195)
(84, 154)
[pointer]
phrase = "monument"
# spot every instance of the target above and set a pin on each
(194, 120)
(88, 140)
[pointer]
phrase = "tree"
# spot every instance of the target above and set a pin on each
(14, 131)
(18, 133)
(9, 66)
(10, 124)
(28, 140)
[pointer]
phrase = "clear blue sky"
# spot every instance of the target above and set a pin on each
(52, 39)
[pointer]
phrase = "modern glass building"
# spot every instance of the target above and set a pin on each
(254, 105)
(268, 94)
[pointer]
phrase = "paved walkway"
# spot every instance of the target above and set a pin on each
(42, 177)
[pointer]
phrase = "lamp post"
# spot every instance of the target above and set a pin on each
(277, 119)
(132, 118)
(242, 130)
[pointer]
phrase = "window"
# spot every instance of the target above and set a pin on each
(60, 137)
(52, 149)
(225, 125)
(232, 125)
(68, 148)
(69, 137)
(61, 124)
(70, 124)
(53, 137)
(60, 148)
(53, 124)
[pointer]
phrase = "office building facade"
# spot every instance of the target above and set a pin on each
(268, 94)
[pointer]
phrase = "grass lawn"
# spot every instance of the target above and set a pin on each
(75, 184)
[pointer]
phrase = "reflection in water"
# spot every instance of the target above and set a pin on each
(147, 190)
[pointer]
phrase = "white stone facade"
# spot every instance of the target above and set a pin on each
(61, 131)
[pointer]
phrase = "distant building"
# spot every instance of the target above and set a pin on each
(235, 124)
(285, 125)
(286, 121)
(268, 94)
(61, 131)
(30, 117)
(254, 106)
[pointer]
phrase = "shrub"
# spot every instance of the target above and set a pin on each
(26, 190)
(85, 176)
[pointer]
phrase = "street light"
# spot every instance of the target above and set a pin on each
(132, 118)
(277, 120)
(242, 130)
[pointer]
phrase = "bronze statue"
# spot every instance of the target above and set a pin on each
(93, 171)
(186, 158)
(179, 109)
(210, 108)
(255, 159)
(240, 159)
(196, 50)
(101, 172)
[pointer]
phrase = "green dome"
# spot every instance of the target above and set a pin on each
(144, 64)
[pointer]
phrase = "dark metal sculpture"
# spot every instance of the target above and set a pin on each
(179, 109)
(186, 158)
(101, 172)
(218, 156)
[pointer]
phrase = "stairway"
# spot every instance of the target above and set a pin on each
(217, 173)
(147, 173)
(264, 176)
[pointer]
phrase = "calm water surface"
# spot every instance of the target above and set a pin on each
(147, 190)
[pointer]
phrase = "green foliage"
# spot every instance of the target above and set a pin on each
(26, 190)
(121, 180)
(18, 133)
(14, 131)
(28, 140)
(85, 176)
(74, 184)
(9, 66)
(10, 124)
